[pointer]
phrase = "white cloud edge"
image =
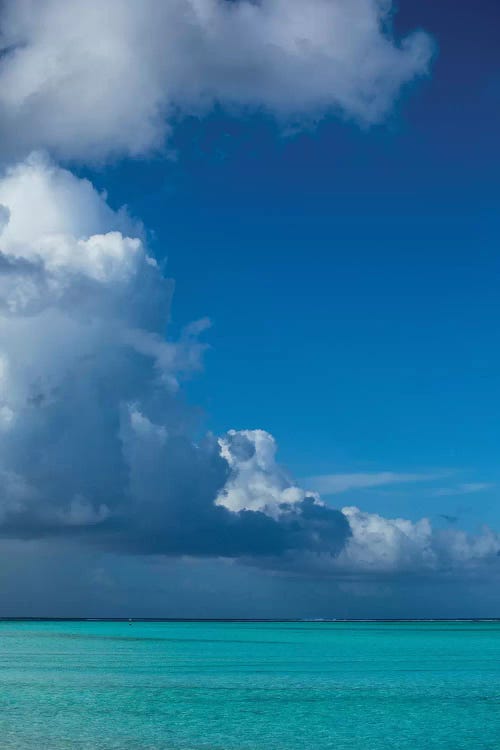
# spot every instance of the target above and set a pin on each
(108, 80)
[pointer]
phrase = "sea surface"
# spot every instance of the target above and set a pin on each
(249, 686)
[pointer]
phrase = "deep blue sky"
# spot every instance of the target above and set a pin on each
(351, 275)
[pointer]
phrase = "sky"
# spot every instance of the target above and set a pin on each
(248, 298)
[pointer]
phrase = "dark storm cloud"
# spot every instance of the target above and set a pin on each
(96, 442)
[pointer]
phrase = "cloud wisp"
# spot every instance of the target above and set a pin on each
(333, 484)
(464, 488)
(107, 80)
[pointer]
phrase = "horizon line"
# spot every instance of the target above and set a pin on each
(277, 620)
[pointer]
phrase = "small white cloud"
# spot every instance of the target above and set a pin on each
(257, 482)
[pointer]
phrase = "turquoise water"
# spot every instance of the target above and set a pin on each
(249, 686)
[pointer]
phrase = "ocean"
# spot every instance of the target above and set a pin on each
(249, 685)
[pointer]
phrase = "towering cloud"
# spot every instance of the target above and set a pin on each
(95, 441)
(83, 309)
(88, 79)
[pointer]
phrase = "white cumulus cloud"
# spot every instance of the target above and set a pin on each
(396, 545)
(257, 481)
(86, 79)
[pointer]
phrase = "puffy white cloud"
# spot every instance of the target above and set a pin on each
(371, 544)
(379, 544)
(102, 79)
(256, 481)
